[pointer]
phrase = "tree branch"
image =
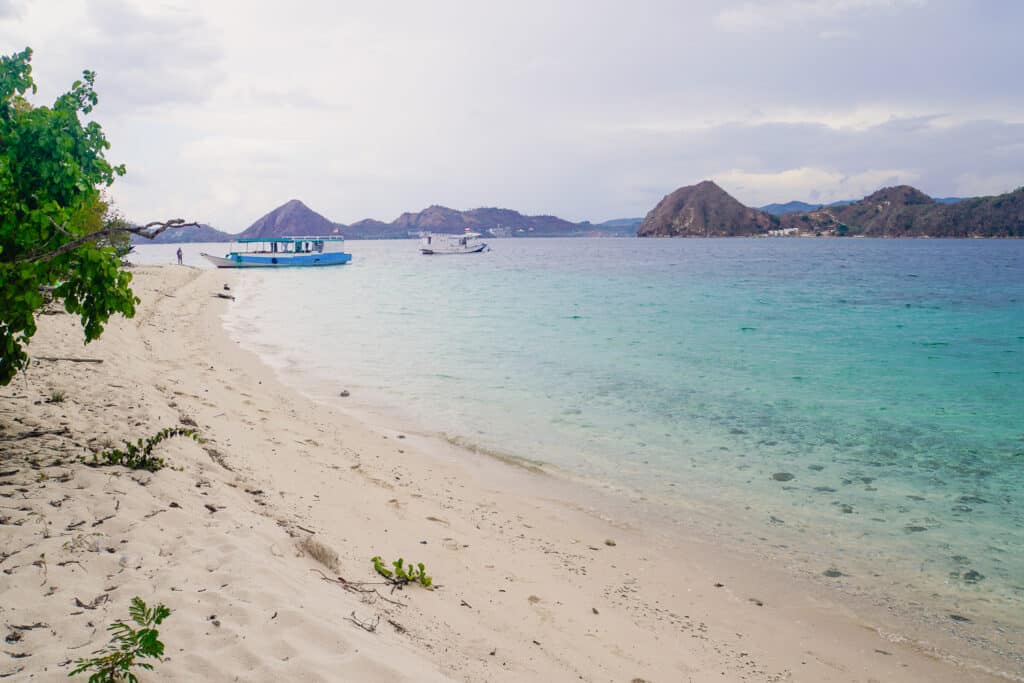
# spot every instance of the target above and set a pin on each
(149, 231)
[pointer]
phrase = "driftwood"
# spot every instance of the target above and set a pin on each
(69, 359)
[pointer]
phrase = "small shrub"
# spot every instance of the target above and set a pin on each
(139, 455)
(402, 573)
(114, 662)
(56, 396)
(319, 552)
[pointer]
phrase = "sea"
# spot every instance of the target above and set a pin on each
(853, 408)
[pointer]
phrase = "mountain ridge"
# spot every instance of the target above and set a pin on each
(704, 209)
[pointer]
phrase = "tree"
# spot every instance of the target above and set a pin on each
(55, 230)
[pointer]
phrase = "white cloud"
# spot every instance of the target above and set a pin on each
(823, 185)
(774, 15)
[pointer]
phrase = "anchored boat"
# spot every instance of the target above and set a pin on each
(283, 252)
(432, 243)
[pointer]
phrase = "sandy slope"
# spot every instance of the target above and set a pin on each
(528, 588)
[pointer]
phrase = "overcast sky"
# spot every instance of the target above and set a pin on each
(586, 109)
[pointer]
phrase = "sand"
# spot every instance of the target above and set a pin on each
(534, 580)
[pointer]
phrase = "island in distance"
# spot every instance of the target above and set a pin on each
(294, 218)
(701, 210)
(706, 210)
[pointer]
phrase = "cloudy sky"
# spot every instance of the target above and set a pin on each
(587, 109)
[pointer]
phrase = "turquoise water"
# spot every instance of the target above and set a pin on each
(855, 404)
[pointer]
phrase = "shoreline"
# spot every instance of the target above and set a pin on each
(528, 587)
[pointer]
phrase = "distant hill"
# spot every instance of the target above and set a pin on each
(201, 233)
(505, 222)
(789, 207)
(804, 207)
(621, 226)
(370, 229)
(904, 211)
(704, 210)
(293, 218)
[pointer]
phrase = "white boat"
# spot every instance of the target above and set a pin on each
(283, 252)
(437, 243)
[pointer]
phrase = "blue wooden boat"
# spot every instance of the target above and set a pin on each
(283, 252)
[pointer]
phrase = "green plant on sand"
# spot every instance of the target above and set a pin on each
(113, 663)
(139, 455)
(402, 573)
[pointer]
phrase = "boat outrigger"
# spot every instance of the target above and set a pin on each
(432, 243)
(283, 252)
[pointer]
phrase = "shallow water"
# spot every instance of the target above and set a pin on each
(856, 405)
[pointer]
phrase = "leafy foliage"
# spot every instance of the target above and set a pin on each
(114, 662)
(53, 171)
(139, 455)
(402, 573)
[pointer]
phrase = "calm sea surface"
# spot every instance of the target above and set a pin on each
(853, 405)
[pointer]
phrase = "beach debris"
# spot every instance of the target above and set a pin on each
(94, 603)
(594, 610)
(719, 585)
(783, 476)
(365, 625)
(913, 529)
(960, 618)
(398, 627)
(463, 603)
(212, 508)
(344, 393)
(226, 287)
(756, 602)
(214, 620)
(610, 542)
(319, 552)
(833, 573)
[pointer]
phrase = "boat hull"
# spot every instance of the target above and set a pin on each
(476, 249)
(237, 260)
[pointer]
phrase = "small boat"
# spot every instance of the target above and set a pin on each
(283, 252)
(434, 243)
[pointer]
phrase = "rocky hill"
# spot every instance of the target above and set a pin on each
(293, 218)
(704, 210)
(904, 211)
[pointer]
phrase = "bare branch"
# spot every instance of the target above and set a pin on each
(149, 231)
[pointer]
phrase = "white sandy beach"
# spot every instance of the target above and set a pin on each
(534, 581)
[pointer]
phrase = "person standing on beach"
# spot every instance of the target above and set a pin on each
(179, 256)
